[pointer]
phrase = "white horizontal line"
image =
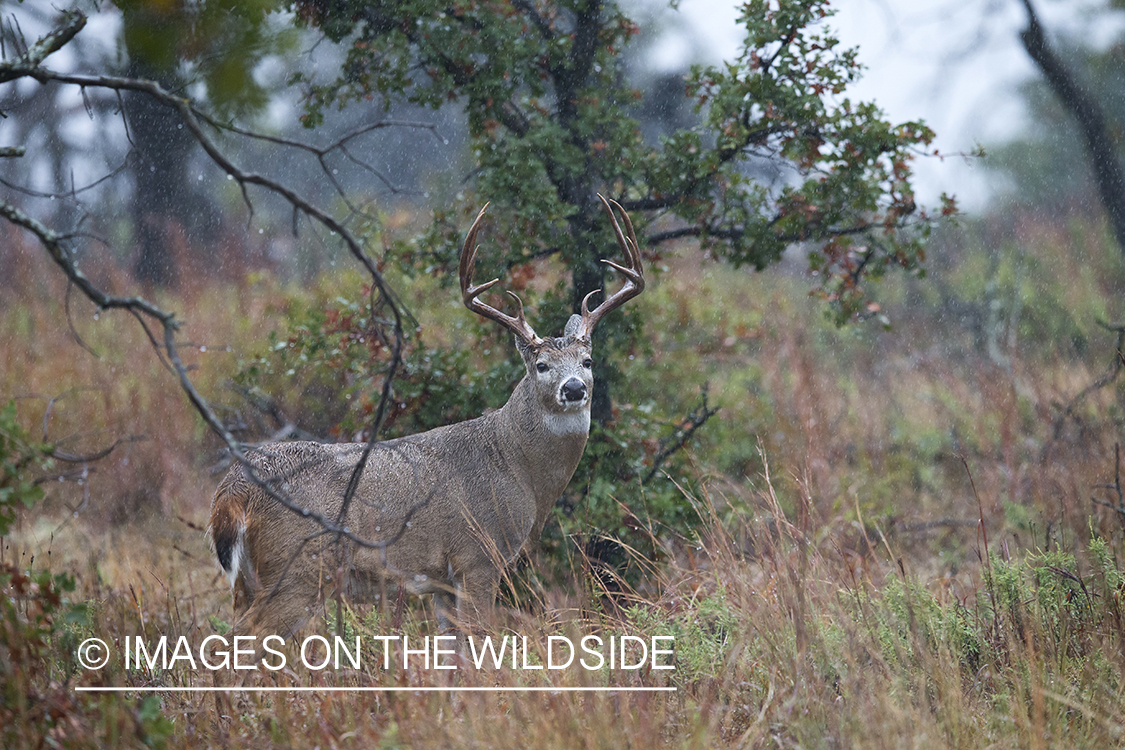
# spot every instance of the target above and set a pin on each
(424, 689)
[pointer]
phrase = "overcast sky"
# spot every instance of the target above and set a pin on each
(956, 64)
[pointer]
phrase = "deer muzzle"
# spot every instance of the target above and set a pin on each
(573, 391)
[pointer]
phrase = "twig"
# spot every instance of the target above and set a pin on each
(1110, 376)
(322, 152)
(1116, 486)
(696, 419)
(71, 23)
(70, 323)
(96, 455)
(73, 191)
(986, 557)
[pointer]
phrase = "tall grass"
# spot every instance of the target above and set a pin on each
(897, 545)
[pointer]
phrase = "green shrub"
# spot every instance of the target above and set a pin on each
(18, 455)
(705, 631)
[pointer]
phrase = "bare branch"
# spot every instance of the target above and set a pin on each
(1116, 486)
(71, 458)
(1119, 508)
(63, 257)
(70, 323)
(58, 247)
(321, 152)
(696, 419)
(1110, 376)
(72, 22)
(74, 191)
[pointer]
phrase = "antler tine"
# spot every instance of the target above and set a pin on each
(469, 293)
(634, 273)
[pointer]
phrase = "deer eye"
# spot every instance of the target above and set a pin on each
(542, 367)
(587, 363)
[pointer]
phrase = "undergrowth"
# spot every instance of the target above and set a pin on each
(927, 568)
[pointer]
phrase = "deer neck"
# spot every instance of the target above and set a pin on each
(551, 443)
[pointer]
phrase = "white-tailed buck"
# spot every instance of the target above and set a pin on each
(459, 502)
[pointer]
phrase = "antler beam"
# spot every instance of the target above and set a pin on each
(518, 324)
(634, 273)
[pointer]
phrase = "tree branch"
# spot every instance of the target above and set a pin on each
(1110, 376)
(28, 65)
(734, 233)
(696, 419)
(546, 30)
(1116, 486)
(72, 22)
(321, 152)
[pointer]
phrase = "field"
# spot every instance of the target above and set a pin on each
(897, 540)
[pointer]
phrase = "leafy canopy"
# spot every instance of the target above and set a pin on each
(219, 42)
(779, 154)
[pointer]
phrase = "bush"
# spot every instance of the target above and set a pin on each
(40, 628)
(18, 454)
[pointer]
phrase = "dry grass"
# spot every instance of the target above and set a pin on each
(848, 599)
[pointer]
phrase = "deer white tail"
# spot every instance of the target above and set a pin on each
(228, 530)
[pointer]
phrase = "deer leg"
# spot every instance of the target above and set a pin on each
(243, 596)
(475, 596)
(445, 608)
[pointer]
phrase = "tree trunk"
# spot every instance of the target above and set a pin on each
(1091, 121)
(162, 150)
(166, 200)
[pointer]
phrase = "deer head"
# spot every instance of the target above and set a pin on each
(561, 367)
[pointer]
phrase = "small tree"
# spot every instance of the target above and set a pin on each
(549, 115)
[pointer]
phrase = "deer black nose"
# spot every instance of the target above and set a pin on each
(573, 390)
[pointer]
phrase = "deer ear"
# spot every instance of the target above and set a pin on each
(573, 326)
(526, 352)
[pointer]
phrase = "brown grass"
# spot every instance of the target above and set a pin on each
(838, 600)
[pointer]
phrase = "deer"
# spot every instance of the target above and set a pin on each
(447, 510)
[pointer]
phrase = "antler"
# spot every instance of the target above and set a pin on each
(634, 274)
(517, 325)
